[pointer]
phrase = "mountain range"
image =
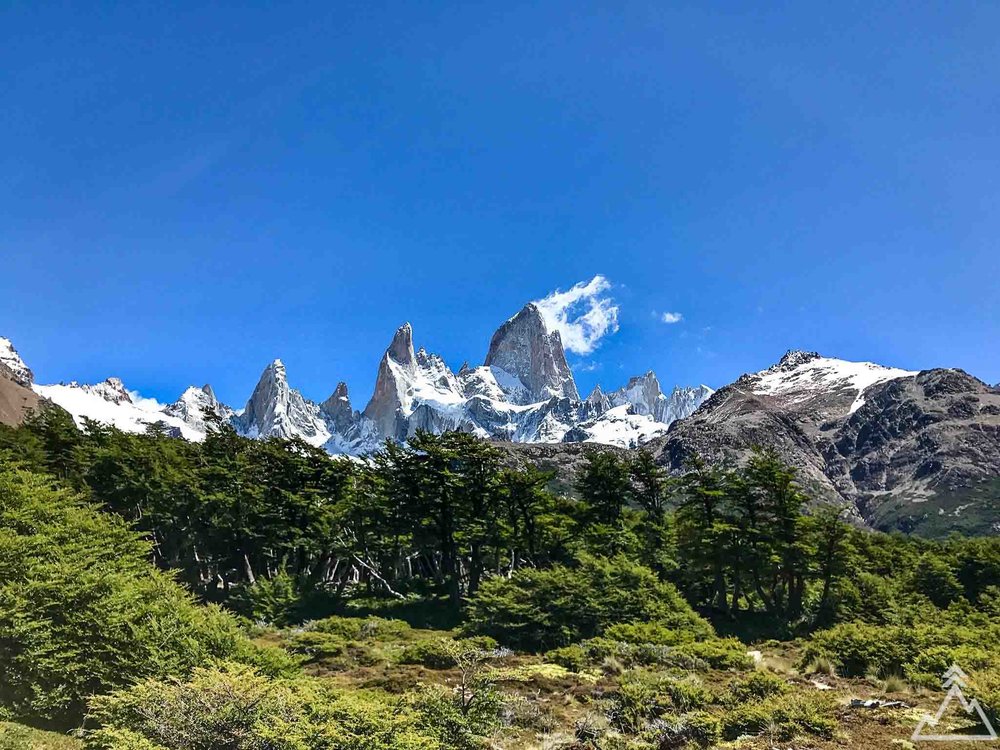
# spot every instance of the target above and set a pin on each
(523, 392)
(917, 451)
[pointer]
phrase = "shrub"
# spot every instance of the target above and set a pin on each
(920, 651)
(19, 737)
(637, 701)
(856, 649)
(783, 716)
(316, 646)
(642, 697)
(698, 729)
(597, 650)
(361, 628)
(462, 717)
(237, 708)
(543, 609)
(83, 612)
(440, 653)
(647, 632)
(927, 666)
(719, 653)
(688, 694)
(755, 686)
(574, 658)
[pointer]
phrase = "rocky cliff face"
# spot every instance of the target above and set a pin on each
(532, 360)
(918, 451)
(16, 397)
(275, 410)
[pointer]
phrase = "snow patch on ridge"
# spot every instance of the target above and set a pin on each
(109, 403)
(800, 374)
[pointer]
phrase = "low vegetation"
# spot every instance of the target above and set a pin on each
(157, 594)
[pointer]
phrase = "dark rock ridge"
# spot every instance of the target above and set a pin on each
(910, 451)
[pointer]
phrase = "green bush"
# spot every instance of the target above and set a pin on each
(695, 729)
(755, 686)
(637, 701)
(237, 708)
(917, 650)
(647, 632)
(316, 646)
(719, 653)
(83, 612)
(536, 610)
(927, 666)
(858, 649)
(593, 652)
(782, 716)
(642, 697)
(984, 686)
(440, 653)
(19, 737)
(362, 628)
(575, 657)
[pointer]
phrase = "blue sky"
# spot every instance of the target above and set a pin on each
(187, 193)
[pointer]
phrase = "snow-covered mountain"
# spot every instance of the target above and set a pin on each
(195, 404)
(523, 392)
(11, 362)
(110, 403)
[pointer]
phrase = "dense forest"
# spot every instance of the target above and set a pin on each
(236, 593)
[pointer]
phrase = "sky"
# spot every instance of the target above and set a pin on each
(188, 192)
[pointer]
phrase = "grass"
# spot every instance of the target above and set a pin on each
(19, 737)
(550, 707)
(553, 708)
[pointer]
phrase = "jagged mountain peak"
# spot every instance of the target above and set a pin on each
(409, 382)
(795, 357)
(10, 360)
(646, 397)
(111, 389)
(401, 346)
(337, 408)
(524, 348)
(275, 409)
(195, 404)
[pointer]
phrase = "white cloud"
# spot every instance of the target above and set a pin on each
(671, 317)
(583, 314)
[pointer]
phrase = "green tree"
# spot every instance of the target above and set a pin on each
(81, 609)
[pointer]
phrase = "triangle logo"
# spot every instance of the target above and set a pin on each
(954, 679)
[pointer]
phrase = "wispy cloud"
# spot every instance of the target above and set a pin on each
(583, 314)
(671, 317)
